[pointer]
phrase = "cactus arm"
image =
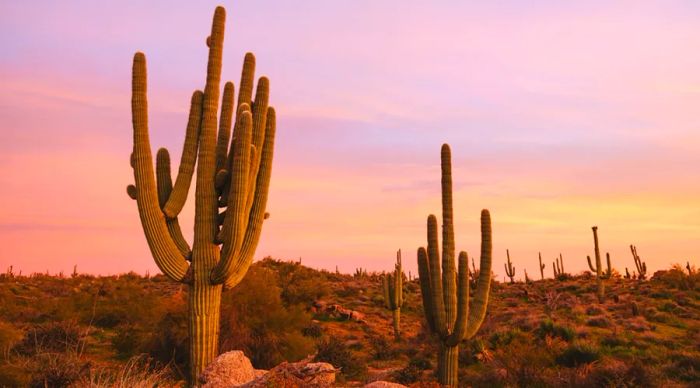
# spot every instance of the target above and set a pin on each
(477, 312)
(385, 288)
(590, 264)
(424, 278)
(436, 291)
(165, 253)
(257, 211)
(165, 186)
(260, 108)
(245, 88)
(178, 196)
(224, 126)
(608, 272)
(234, 223)
(399, 280)
(460, 327)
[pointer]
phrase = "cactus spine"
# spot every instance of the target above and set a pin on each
(235, 177)
(393, 294)
(641, 266)
(446, 296)
(541, 266)
(598, 269)
(510, 270)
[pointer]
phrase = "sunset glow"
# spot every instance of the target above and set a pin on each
(560, 117)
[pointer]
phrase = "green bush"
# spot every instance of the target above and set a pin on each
(549, 328)
(578, 354)
(255, 320)
(335, 352)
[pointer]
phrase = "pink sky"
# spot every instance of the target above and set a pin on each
(560, 117)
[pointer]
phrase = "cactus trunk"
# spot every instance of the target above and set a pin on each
(204, 314)
(396, 314)
(448, 365)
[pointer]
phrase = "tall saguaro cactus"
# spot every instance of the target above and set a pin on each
(600, 275)
(393, 294)
(235, 176)
(445, 293)
(510, 270)
(641, 266)
(558, 267)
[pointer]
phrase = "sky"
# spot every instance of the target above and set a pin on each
(560, 116)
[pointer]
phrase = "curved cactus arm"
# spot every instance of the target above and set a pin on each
(165, 186)
(245, 88)
(178, 196)
(436, 292)
(234, 223)
(477, 312)
(590, 264)
(224, 126)
(424, 278)
(257, 211)
(460, 328)
(165, 253)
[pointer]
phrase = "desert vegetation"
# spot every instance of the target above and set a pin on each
(77, 331)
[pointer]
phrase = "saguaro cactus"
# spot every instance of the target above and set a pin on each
(641, 266)
(600, 275)
(235, 177)
(446, 295)
(541, 266)
(558, 267)
(510, 270)
(393, 293)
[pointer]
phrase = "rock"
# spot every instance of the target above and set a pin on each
(230, 369)
(296, 375)
(383, 384)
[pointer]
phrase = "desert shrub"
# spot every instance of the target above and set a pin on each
(255, 320)
(578, 354)
(314, 330)
(51, 337)
(408, 375)
(614, 373)
(382, 348)
(504, 338)
(57, 370)
(599, 322)
(167, 341)
(525, 363)
(333, 351)
(138, 372)
(9, 337)
(129, 341)
(684, 367)
(549, 328)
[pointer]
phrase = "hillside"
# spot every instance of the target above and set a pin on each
(82, 330)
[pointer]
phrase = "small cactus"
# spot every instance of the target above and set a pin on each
(445, 293)
(510, 270)
(75, 271)
(627, 274)
(393, 294)
(600, 275)
(527, 279)
(690, 270)
(641, 266)
(541, 265)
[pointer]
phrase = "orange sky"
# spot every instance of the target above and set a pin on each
(560, 117)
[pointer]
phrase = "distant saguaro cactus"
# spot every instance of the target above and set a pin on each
(446, 295)
(600, 275)
(541, 266)
(641, 266)
(510, 270)
(558, 267)
(393, 294)
(235, 177)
